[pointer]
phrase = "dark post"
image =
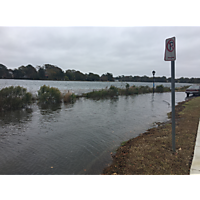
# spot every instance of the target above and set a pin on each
(153, 72)
(173, 103)
(170, 55)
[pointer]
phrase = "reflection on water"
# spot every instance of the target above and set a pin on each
(14, 117)
(46, 109)
(76, 138)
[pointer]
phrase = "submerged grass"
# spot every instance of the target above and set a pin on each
(114, 91)
(104, 93)
(69, 97)
(49, 95)
(66, 97)
(12, 98)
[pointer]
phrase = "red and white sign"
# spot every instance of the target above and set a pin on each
(170, 49)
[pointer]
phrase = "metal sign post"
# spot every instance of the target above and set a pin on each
(170, 55)
(173, 104)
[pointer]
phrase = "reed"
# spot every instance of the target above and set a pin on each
(69, 97)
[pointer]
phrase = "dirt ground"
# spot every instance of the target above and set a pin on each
(151, 152)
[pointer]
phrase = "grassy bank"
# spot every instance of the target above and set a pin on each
(151, 152)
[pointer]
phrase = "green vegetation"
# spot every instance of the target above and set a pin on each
(104, 93)
(127, 86)
(73, 98)
(52, 72)
(17, 97)
(140, 79)
(114, 91)
(48, 94)
(156, 78)
(161, 88)
(14, 98)
(4, 72)
(51, 95)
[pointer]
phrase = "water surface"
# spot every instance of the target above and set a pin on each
(76, 138)
(77, 87)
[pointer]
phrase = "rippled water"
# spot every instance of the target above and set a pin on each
(77, 87)
(76, 138)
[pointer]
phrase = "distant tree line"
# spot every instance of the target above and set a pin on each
(52, 72)
(141, 79)
(157, 79)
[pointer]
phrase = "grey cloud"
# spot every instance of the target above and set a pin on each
(119, 50)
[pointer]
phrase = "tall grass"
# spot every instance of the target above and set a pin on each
(18, 97)
(14, 98)
(69, 97)
(104, 93)
(48, 95)
(114, 91)
(135, 90)
(51, 95)
(161, 88)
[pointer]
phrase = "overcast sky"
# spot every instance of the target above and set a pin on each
(118, 50)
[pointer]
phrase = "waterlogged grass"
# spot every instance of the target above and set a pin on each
(18, 97)
(114, 91)
(66, 97)
(48, 95)
(14, 98)
(69, 97)
(104, 93)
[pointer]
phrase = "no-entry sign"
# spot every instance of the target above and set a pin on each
(170, 49)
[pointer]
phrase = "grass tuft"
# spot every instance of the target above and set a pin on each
(48, 95)
(14, 98)
(69, 97)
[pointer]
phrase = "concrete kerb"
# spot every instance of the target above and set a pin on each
(195, 167)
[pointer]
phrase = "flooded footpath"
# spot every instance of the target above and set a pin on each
(76, 138)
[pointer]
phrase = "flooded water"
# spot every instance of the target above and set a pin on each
(76, 87)
(76, 138)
